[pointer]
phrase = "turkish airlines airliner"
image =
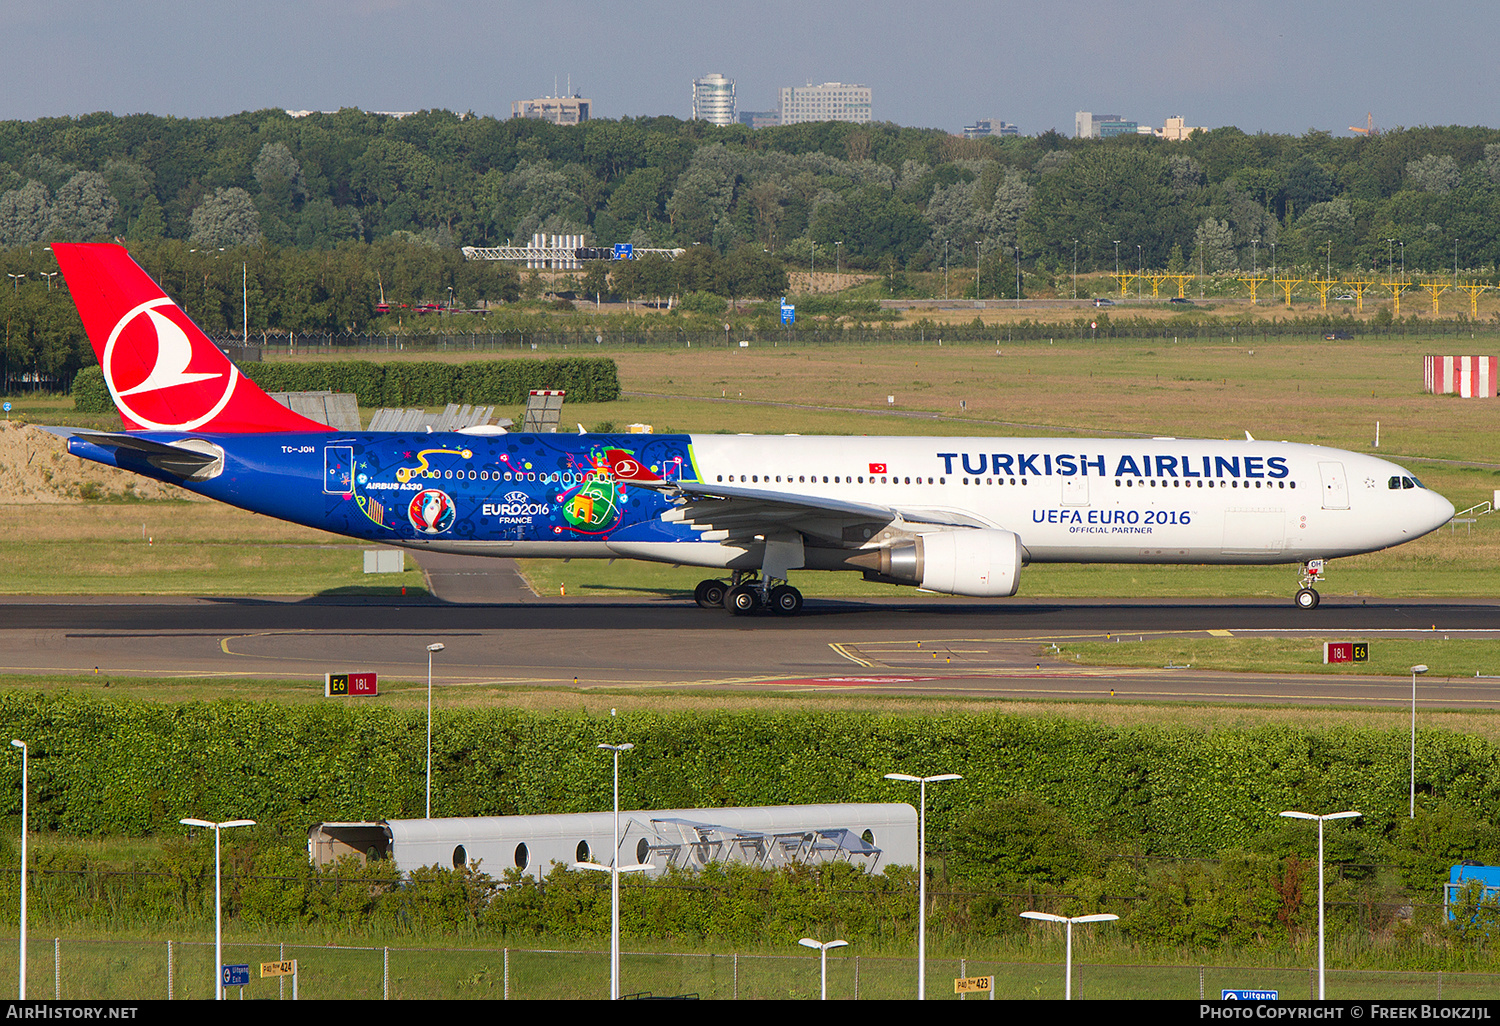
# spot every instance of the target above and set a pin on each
(960, 516)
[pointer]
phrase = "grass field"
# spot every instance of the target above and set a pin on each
(133, 965)
(129, 968)
(1392, 657)
(179, 548)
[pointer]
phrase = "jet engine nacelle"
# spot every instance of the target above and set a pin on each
(982, 563)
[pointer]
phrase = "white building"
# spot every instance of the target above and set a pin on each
(831, 101)
(870, 835)
(560, 110)
(713, 100)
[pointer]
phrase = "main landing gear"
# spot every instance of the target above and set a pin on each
(1307, 595)
(747, 592)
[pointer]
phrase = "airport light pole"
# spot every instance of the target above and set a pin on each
(1415, 670)
(1321, 820)
(614, 869)
(436, 646)
(808, 942)
(218, 900)
(1099, 917)
(25, 819)
(922, 871)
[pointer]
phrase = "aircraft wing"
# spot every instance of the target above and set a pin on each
(730, 512)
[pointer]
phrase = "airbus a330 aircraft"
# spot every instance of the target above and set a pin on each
(960, 516)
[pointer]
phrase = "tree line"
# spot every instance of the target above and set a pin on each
(835, 194)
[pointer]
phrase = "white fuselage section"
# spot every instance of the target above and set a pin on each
(1106, 501)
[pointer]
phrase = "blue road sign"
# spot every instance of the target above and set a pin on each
(236, 975)
(7, 407)
(788, 313)
(624, 251)
(1247, 995)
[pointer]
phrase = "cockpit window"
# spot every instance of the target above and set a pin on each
(1407, 482)
(1397, 483)
(1394, 484)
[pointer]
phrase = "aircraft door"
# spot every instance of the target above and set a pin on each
(338, 469)
(1335, 485)
(1075, 491)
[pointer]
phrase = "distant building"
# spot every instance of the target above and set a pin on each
(760, 118)
(1087, 125)
(382, 113)
(831, 101)
(560, 110)
(985, 127)
(713, 100)
(1175, 131)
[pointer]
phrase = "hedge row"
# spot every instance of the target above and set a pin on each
(499, 382)
(1158, 791)
(488, 382)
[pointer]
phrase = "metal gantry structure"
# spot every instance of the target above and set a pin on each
(549, 257)
(1397, 284)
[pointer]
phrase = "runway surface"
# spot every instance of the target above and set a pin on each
(923, 646)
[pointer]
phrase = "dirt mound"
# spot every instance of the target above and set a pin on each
(35, 466)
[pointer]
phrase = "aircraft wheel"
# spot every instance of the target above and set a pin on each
(786, 600)
(743, 600)
(710, 594)
(1307, 598)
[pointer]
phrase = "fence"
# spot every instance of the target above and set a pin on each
(856, 333)
(125, 969)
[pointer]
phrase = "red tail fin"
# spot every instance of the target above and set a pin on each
(626, 467)
(162, 372)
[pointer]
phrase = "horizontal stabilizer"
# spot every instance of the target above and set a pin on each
(191, 459)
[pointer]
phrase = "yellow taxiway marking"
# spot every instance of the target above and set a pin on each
(843, 651)
(224, 642)
(1032, 638)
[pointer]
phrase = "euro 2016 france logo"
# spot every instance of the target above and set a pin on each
(431, 511)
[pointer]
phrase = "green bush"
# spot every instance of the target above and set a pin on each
(489, 382)
(705, 303)
(90, 393)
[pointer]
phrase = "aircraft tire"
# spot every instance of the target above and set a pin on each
(710, 594)
(786, 600)
(742, 601)
(1307, 598)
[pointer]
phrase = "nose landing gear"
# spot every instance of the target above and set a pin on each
(1307, 595)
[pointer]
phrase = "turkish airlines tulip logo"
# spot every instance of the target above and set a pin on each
(146, 363)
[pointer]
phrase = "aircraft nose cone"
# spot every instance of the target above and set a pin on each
(1442, 510)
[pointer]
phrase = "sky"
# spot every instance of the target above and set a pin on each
(1261, 65)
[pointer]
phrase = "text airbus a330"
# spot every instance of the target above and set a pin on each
(959, 516)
